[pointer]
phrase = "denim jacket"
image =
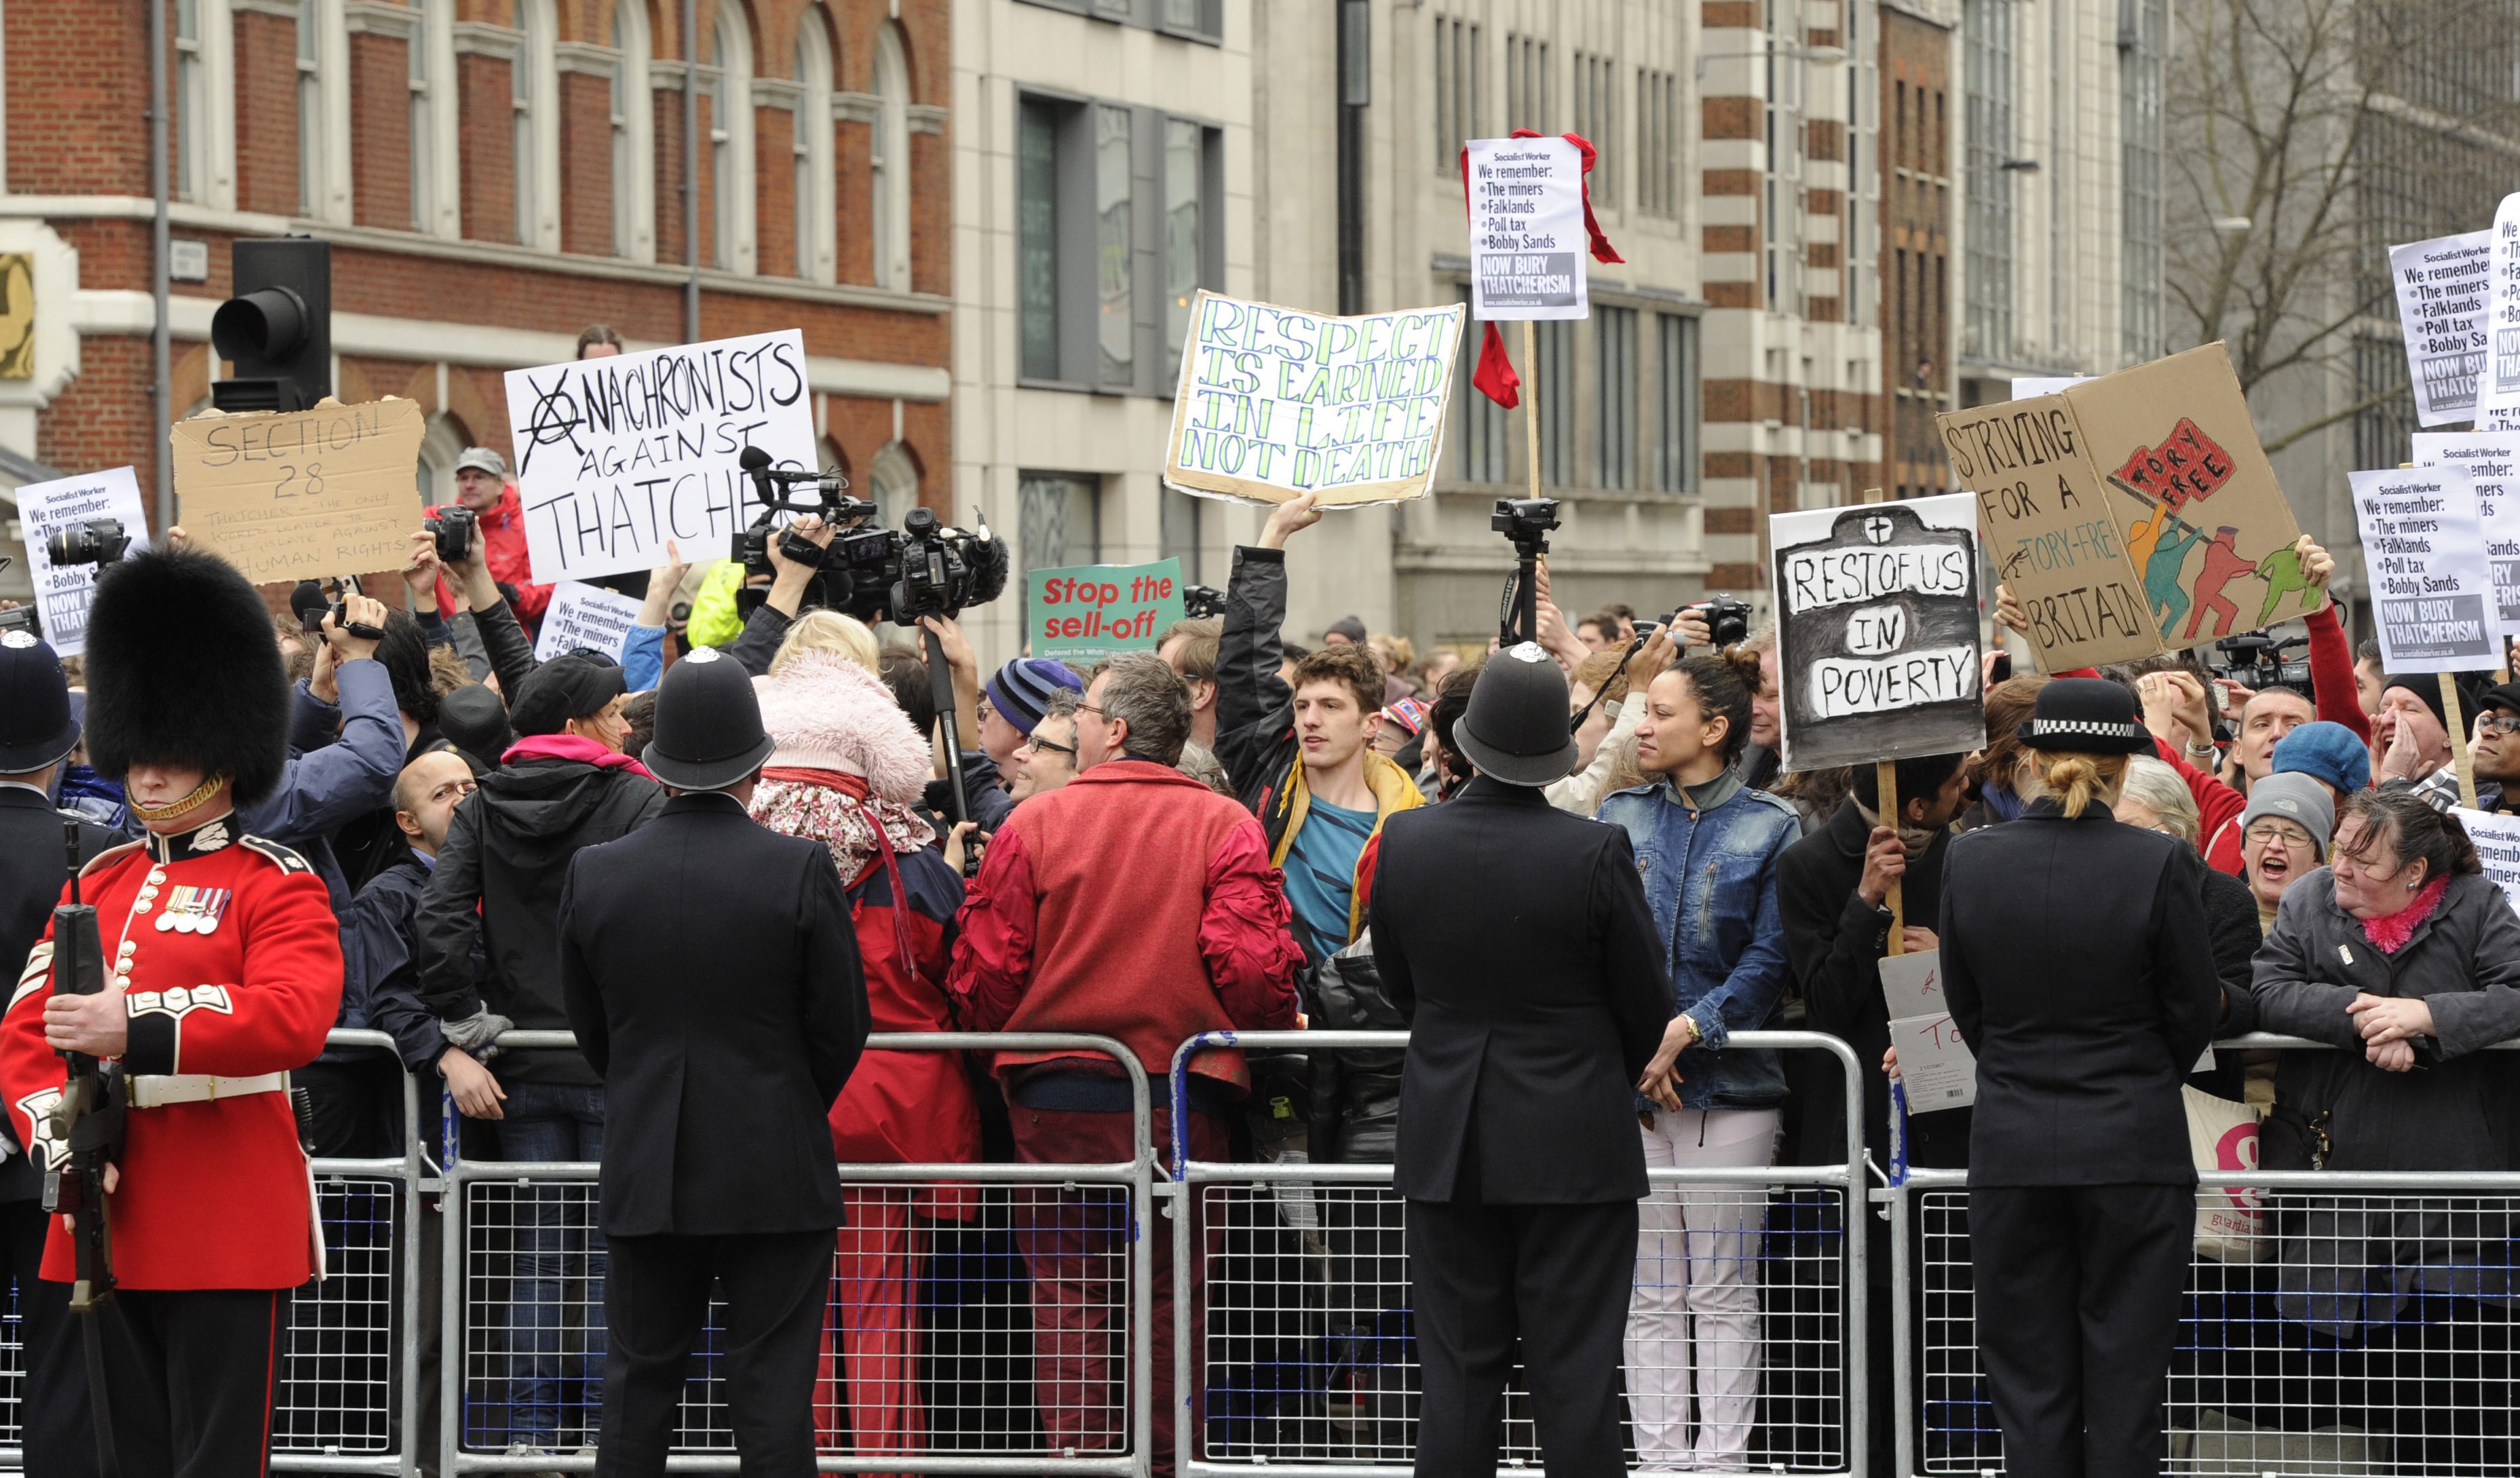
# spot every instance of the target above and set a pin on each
(1710, 872)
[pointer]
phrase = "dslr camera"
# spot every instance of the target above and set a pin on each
(923, 570)
(1728, 619)
(453, 526)
(98, 541)
(2261, 661)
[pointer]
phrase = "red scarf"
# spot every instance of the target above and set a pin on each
(1494, 377)
(576, 746)
(2389, 934)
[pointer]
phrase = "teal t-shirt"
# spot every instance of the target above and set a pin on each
(1320, 872)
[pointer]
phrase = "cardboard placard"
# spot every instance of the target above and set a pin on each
(1092, 611)
(2498, 398)
(586, 615)
(2498, 846)
(2432, 595)
(2441, 290)
(2133, 514)
(63, 591)
(1877, 631)
(2492, 462)
(1275, 401)
(1528, 247)
(331, 491)
(617, 455)
(1934, 1062)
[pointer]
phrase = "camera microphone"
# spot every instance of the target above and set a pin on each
(755, 459)
(306, 599)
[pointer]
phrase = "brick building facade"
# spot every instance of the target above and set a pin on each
(1916, 246)
(493, 175)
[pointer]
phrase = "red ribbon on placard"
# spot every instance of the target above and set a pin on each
(1494, 377)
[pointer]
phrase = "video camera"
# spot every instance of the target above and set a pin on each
(98, 541)
(313, 602)
(453, 527)
(923, 570)
(2260, 661)
(1199, 602)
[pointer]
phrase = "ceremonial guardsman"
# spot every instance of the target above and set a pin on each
(223, 970)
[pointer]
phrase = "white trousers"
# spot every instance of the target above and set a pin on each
(1694, 1315)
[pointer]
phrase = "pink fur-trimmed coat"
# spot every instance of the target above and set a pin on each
(829, 713)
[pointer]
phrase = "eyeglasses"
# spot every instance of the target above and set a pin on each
(2500, 723)
(457, 788)
(1037, 743)
(2264, 834)
(984, 712)
(1097, 712)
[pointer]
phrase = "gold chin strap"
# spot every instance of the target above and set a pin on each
(175, 810)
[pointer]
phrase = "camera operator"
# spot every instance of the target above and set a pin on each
(352, 730)
(482, 486)
(482, 625)
(790, 582)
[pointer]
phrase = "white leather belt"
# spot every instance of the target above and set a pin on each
(158, 1089)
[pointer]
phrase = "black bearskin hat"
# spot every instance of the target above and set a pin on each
(182, 670)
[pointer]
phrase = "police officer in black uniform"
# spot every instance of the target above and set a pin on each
(37, 733)
(1516, 940)
(2078, 968)
(711, 975)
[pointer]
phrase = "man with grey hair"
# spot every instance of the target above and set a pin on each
(1136, 903)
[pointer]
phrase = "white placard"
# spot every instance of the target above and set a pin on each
(2430, 589)
(2026, 386)
(614, 456)
(1911, 984)
(2492, 462)
(2498, 846)
(2441, 307)
(62, 593)
(2497, 394)
(1939, 1069)
(586, 615)
(1527, 240)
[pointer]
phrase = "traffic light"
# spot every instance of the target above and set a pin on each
(278, 329)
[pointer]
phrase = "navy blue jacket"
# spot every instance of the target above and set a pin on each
(332, 779)
(379, 966)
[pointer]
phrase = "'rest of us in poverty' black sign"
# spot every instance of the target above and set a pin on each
(1877, 631)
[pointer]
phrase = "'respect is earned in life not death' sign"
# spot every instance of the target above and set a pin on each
(1274, 402)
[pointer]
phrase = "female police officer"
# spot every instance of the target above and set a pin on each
(2077, 965)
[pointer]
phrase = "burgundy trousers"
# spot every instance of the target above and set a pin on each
(1075, 1245)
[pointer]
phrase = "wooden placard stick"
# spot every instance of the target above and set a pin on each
(1885, 791)
(2457, 723)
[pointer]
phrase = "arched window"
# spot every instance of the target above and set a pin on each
(728, 79)
(892, 484)
(535, 81)
(817, 209)
(444, 442)
(634, 136)
(204, 104)
(890, 160)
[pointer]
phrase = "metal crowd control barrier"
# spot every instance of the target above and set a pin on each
(501, 1214)
(347, 1380)
(1814, 1415)
(2369, 1323)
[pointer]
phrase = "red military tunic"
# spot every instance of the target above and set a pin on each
(231, 961)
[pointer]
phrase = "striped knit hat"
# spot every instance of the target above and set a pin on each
(1020, 689)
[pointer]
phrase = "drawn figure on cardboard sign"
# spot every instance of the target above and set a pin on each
(2161, 587)
(2140, 538)
(2282, 571)
(2222, 564)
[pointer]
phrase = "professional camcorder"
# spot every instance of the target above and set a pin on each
(923, 570)
(2260, 661)
(1199, 602)
(98, 541)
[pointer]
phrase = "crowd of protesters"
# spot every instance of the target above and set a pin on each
(1185, 841)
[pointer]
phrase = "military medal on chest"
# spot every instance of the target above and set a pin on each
(193, 909)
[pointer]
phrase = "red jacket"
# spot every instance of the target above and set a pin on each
(502, 545)
(1136, 903)
(213, 1194)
